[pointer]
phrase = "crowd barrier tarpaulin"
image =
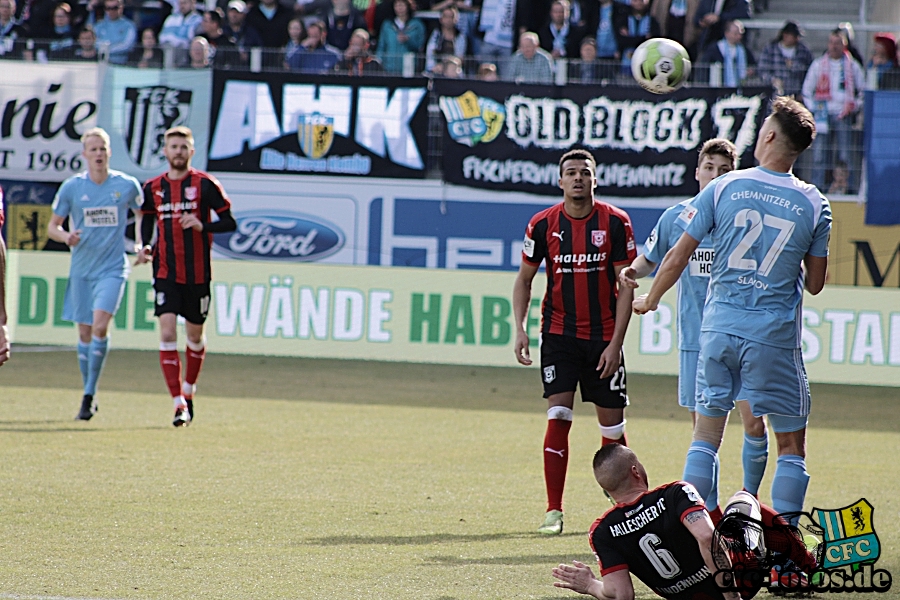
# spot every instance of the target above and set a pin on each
(510, 137)
(308, 125)
(45, 109)
(850, 335)
(139, 105)
(882, 137)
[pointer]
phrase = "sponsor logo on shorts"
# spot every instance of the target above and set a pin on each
(549, 374)
(160, 298)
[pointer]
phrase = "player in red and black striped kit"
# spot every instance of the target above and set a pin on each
(584, 243)
(185, 207)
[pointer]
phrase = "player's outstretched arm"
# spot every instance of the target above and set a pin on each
(521, 304)
(701, 527)
(816, 272)
(669, 271)
(578, 577)
(638, 269)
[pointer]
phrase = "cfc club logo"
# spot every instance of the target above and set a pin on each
(849, 535)
(471, 119)
(315, 132)
(148, 113)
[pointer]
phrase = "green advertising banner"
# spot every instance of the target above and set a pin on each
(851, 335)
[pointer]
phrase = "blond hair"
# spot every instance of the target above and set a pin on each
(95, 132)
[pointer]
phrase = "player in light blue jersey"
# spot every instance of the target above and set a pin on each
(770, 236)
(717, 157)
(96, 203)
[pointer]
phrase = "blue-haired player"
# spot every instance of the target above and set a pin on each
(717, 157)
(96, 203)
(770, 237)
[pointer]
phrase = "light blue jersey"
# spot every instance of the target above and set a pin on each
(694, 280)
(762, 224)
(101, 213)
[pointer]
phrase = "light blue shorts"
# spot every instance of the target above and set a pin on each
(687, 378)
(84, 296)
(773, 380)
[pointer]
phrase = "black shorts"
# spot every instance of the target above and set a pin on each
(190, 300)
(568, 361)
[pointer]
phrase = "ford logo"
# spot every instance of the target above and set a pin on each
(280, 235)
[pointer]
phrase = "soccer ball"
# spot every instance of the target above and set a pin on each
(660, 65)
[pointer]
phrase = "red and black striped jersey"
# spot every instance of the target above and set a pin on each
(581, 256)
(182, 255)
(647, 537)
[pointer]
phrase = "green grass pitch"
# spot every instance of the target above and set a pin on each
(329, 479)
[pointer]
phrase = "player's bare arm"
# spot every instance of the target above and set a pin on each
(143, 249)
(611, 358)
(56, 232)
(579, 577)
(816, 272)
(701, 527)
(638, 269)
(4, 334)
(669, 271)
(521, 304)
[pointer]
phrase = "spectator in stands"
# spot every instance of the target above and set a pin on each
(487, 72)
(37, 18)
(840, 178)
(179, 30)
(605, 29)
(733, 60)
(63, 34)
(117, 31)
(884, 55)
(343, 20)
(832, 90)
(357, 58)
(498, 29)
(296, 35)
(270, 18)
(785, 61)
(223, 53)
(200, 53)
(445, 40)
(634, 27)
(711, 17)
(580, 11)
(531, 64)
(589, 69)
(241, 35)
(12, 35)
(86, 50)
(559, 37)
(402, 36)
(676, 20)
(148, 55)
(319, 57)
(846, 29)
(451, 68)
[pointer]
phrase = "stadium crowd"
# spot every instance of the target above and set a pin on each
(521, 41)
